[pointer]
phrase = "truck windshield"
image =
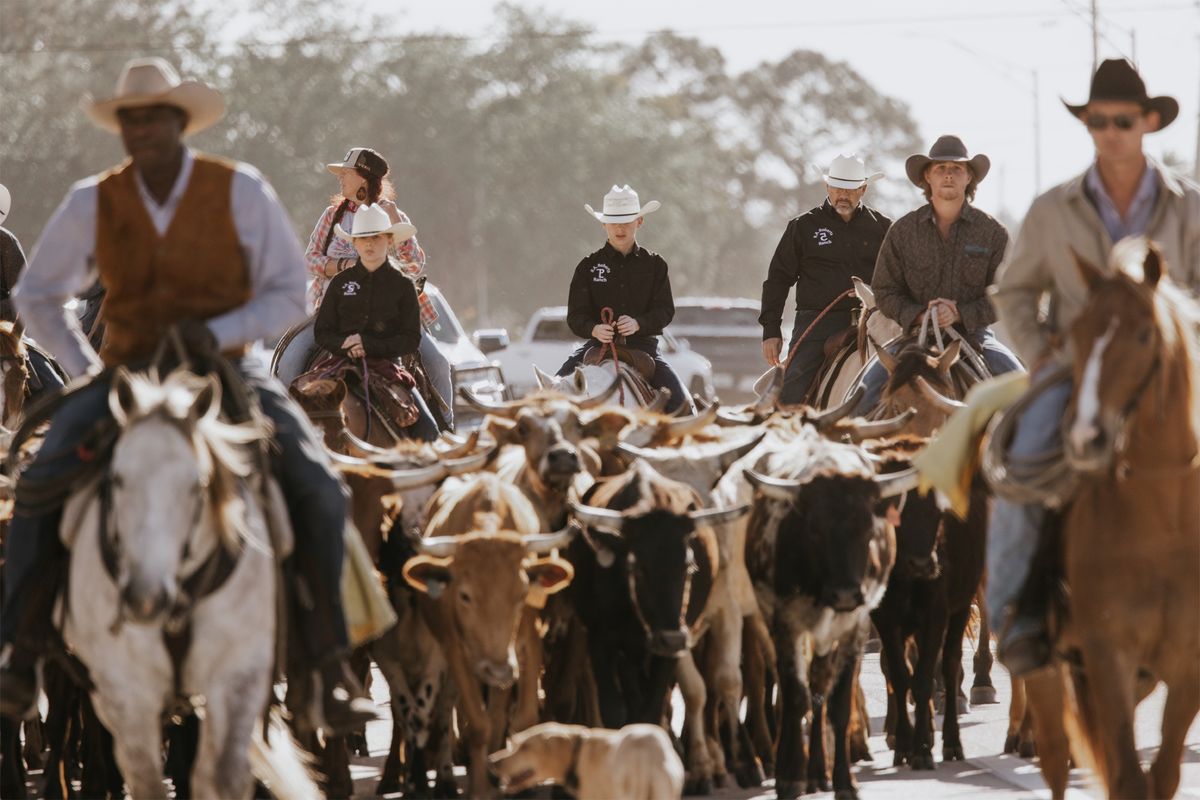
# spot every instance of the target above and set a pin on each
(446, 328)
(553, 330)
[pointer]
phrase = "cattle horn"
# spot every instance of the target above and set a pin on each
(879, 428)
(632, 451)
(947, 405)
(734, 453)
(659, 402)
(729, 419)
(366, 447)
(471, 463)
(439, 546)
(893, 484)
(827, 418)
(460, 448)
(595, 517)
(602, 397)
(508, 409)
(680, 428)
(545, 542)
(775, 488)
(719, 516)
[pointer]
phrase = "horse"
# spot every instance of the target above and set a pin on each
(843, 370)
(171, 540)
(1130, 540)
(635, 392)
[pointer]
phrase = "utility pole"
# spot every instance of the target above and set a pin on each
(1196, 160)
(1095, 36)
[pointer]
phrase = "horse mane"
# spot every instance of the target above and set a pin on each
(222, 449)
(11, 343)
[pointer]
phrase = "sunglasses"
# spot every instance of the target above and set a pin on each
(1099, 122)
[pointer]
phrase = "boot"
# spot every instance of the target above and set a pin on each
(34, 630)
(329, 699)
(19, 685)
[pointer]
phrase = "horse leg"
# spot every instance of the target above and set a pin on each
(136, 722)
(222, 766)
(1016, 715)
(982, 691)
(101, 778)
(1107, 699)
(34, 742)
(183, 742)
(932, 634)
(1183, 702)
(1045, 692)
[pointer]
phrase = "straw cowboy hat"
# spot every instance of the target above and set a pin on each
(5, 202)
(849, 172)
(946, 148)
(1116, 79)
(372, 220)
(621, 204)
(363, 158)
(151, 82)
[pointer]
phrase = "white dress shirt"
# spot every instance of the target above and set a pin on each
(63, 265)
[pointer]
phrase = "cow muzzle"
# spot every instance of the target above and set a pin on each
(502, 674)
(844, 599)
(560, 466)
(147, 600)
(668, 643)
(924, 568)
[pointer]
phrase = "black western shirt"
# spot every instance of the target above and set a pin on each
(381, 306)
(634, 285)
(818, 254)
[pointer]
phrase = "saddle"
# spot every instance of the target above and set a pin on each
(641, 361)
(388, 387)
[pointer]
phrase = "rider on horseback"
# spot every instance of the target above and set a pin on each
(177, 238)
(1123, 193)
(371, 317)
(622, 292)
(937, 262)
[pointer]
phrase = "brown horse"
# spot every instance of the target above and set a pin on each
(1131, 538)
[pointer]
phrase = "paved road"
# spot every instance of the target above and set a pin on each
(986, 772)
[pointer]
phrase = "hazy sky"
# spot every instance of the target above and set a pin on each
(964, 67)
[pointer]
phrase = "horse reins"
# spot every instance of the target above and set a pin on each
(796, 344)
(607, 316)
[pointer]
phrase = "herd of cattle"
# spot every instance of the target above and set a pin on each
(600, 557)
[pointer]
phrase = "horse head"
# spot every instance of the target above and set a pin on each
(174, 495)
(920, 379)
(322, 401)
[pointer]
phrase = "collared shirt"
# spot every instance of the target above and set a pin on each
(12, 261)
(818, 254)
(634, 285)
(380, 306)
(1137, 219)
(408, 256)
(917, 265)
(63, 266)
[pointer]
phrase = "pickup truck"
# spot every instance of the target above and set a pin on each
(547, 342)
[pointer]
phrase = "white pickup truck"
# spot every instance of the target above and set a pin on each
(547, 342)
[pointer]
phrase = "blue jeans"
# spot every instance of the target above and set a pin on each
(999, 360)
(1013, 529)
(425, 428)
(316, 497)
(45, 377)
(810, 354)
(664, 376)
(438, 369)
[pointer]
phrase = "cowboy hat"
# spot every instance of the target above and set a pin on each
(5, 202)
(372, 220)
(151, 82)
(621, 204)
(946, 148)
(363, 158)
(1116, 79)
(849, 172)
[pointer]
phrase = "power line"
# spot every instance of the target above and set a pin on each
(324, 40)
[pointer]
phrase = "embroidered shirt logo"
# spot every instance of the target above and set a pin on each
(600, 273)
(823, 236)
(977, 250)
(351, 288)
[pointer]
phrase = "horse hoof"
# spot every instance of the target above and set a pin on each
(1027, 749)
(749, 776)
(1010, 743)
(983, 695)
(787, 790)
(953, 753)
(891, 741)
(846, 794)
(700, 787)
(899, 759)
(446, 788)
(921, 762)
(390, 786)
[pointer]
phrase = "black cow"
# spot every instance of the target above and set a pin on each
(819, 554)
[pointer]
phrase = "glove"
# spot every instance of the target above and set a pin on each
(197, 337)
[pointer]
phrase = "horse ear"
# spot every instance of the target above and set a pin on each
(339, 392)
(580, 380)
(121, 400)
(1152, 267)
(948, 357)
(887, 359)
(1091, 274)
(208, 400)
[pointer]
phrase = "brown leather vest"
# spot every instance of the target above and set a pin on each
(195, 271)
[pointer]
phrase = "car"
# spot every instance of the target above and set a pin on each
(727, 332)
(547, 342)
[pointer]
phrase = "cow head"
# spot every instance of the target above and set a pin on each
(911, 375)
(482, 581)
(652, 531)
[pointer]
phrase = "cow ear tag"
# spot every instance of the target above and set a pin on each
(605, 557)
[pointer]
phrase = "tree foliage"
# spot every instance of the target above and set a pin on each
(494, 145)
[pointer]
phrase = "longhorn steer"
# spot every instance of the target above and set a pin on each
(819, 556)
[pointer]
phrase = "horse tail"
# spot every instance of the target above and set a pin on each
(277, 761)
(1087, 745)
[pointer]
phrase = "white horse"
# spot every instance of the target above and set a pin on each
(839, 384)
(592, 379)
(178, 496)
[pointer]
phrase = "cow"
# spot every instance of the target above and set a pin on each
(819, 554)
(644, 570)
(474, 590)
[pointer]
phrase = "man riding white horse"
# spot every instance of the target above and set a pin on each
(185, 239)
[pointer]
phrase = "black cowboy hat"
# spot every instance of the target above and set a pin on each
(1116, 79)
(946, 148)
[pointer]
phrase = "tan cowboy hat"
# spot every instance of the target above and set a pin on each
(621, 204)
(946, 148)
(151, 82)
(373, 220)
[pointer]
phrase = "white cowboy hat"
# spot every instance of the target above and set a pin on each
(151, 82)
(849, 172)
(372, 220)
(5, 202)
(621, 204)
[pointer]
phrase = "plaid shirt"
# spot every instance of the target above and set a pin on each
(409, 257)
